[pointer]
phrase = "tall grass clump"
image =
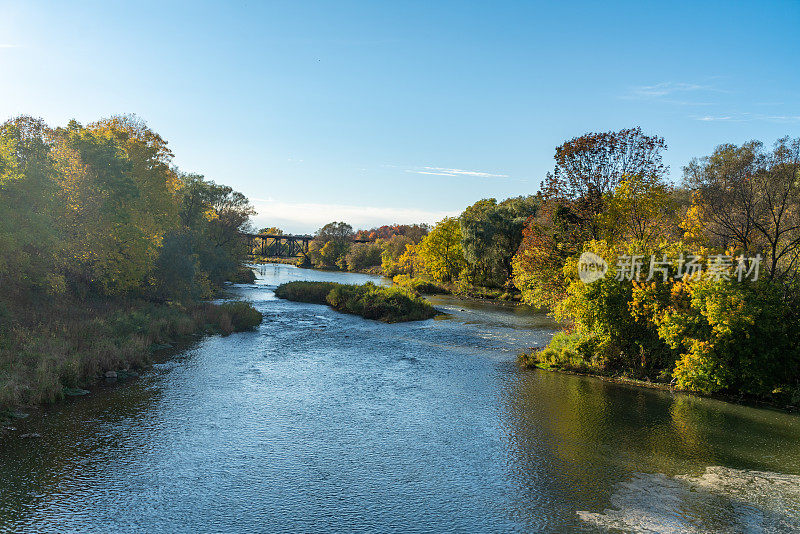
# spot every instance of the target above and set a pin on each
(45, 351)
(311, 292)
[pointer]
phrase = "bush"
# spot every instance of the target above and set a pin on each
(243, 316)
(566, 350)
(388, 304)
(425, 287)
(624, 339)
(311, 292)
(244, 275)
(732, 337)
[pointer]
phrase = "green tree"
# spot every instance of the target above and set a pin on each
(214, 216)
(363, 256)
(393, 250)
(491, 234)
(28, 207)
(440, 254)
(330, 245)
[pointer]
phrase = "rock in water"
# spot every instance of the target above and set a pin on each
(75, 392)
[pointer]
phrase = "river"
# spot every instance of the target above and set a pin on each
(324, 422)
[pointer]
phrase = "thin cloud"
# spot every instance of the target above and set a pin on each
(443, 171)
(747, 117)
(709, 118)
(10, 46)
(668, 88)
(668, 91)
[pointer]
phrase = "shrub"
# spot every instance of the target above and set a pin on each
(312, 292)
(732, 336)
(566, 350)
(243, 316)
(244, 275)
(425, 287)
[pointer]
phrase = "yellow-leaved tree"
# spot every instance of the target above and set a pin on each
(440, 254)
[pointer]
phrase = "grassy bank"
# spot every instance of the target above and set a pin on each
(49, 349)
(388, 304)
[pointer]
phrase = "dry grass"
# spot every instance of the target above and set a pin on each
(48, 346)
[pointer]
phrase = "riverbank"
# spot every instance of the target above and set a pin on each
(55, 348)
(527, 361)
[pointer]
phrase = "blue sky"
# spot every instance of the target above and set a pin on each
(381, 112)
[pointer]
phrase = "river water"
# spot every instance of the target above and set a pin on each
(324, 422)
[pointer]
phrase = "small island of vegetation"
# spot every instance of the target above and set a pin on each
(387, 304)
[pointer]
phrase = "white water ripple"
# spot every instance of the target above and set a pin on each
(722, 500)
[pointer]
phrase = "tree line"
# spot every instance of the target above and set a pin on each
(100, 209)
(106, 253)
(609, 194)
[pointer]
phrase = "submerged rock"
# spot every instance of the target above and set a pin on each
(125, 374)
(75, 392)
(111, 375)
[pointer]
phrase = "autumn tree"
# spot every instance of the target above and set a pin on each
(393, 249)
(272, 230)
(213, 218)
(643, 210)
(591, 166)
(748, 198)
(548, 240)
(363, 256)
(440, 253)
(588, 172)
(100, 209)
(415, 232)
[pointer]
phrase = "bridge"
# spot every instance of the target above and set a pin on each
(281, 245)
